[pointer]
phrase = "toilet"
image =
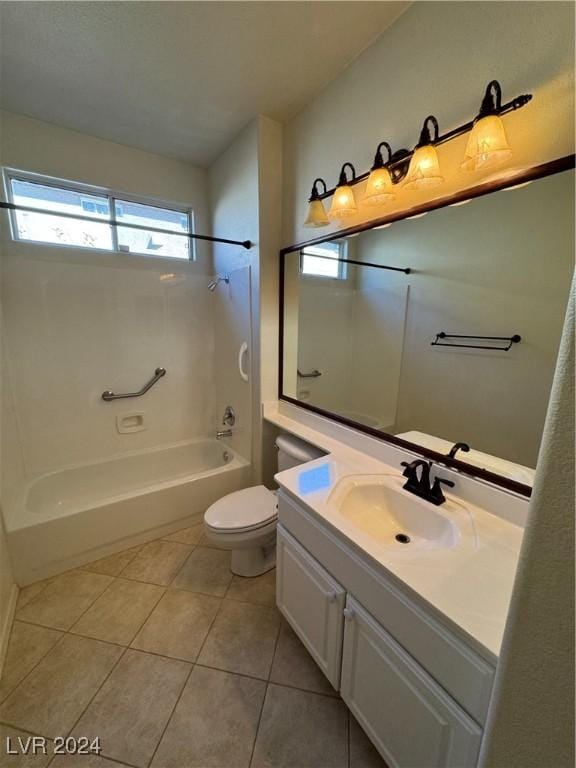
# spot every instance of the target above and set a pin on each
(245, 521)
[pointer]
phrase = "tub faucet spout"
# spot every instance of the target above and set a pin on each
(223, 433)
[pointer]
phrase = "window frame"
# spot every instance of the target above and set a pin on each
(112, 196)
(342, 265)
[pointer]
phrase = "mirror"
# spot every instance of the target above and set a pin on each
(462, 348)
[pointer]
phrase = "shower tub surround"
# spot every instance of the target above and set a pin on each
(68, 517)
(82, 477)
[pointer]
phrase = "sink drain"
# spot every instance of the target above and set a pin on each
(402, 538)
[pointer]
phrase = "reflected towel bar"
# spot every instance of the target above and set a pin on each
(158, 373)
(443, 335)
(312, 375)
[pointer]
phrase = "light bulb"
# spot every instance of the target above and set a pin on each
(316, 215)
(487, 145)
(378, 187)
(343, 203)
(424, 170)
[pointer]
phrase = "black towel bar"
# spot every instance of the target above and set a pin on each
(509, 340)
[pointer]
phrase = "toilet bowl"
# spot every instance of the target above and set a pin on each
(245, 521)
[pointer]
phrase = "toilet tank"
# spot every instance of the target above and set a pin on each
(293, 451)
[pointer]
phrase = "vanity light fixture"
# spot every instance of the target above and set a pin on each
(487, 144)
(343, 203)
(316, 213)
(379, 187)
(424, 170)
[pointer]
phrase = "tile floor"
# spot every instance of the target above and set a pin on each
(174, 663)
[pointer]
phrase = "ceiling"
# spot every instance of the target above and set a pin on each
(177, 78)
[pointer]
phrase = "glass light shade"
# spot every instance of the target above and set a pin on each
(316, 215)
(343, 203)
(424, 170)
(378, 187)
(487, 145)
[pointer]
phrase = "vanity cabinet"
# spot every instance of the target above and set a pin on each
(408, 717)
(318, 620)
(418, 690)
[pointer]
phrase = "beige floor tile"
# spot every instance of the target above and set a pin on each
(206, 570)
(55, 693)
(65, 599)
(190, 535)
(113, 565)
(119, 612)
(178, 625)
(157, 562)
(13, 740)
(259, 589)
(363, 754)
(301, 729)
(294, 666)
(28, 644)
(27, 594)
(205, 542)
(84, 761)
(214, 723)
(242, 639)
(131, 710)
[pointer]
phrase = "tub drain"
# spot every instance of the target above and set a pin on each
(402, 538)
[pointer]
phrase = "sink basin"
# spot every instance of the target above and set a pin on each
(380, 508)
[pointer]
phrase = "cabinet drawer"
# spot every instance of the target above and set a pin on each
(312, 602)
(409, 717)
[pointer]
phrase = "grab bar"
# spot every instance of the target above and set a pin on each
(158, 373)
(312, 375)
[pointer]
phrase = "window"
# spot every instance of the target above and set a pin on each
(147, 242)
(322, 260)
(98, 220)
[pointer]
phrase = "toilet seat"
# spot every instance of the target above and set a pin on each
(245, 510)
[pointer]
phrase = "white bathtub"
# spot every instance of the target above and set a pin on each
(66, 518)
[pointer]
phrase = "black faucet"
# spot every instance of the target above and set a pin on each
(458, 447)
(422, 486)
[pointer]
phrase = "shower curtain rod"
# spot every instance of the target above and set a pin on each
(28, 209)
(339, 259)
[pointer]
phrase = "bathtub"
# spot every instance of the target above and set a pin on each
(66, 518)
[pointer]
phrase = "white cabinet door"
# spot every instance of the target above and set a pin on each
(409, 717)
(312, 602)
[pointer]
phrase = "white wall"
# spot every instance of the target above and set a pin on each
(498, 266)
(233, 185)
(8, 589)
(352, 331)
(245, 184)
(79, 322)
(437, 58)
(325, 311)
(531, 719)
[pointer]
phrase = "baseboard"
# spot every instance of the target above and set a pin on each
(7, 625)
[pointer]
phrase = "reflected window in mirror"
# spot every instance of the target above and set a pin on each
(324, 260)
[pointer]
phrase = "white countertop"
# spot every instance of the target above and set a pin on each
(470, 586)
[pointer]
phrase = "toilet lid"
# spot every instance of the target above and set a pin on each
(241, 510)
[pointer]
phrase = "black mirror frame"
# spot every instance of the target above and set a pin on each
(537, 172)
